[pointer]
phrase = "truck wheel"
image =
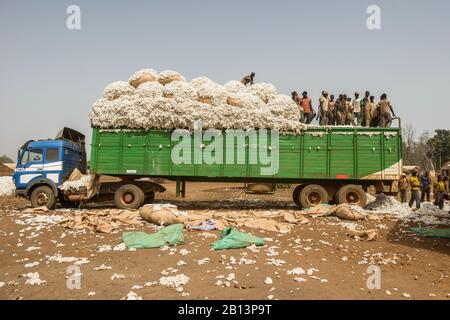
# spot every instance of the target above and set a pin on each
(129, 196)
(296, 195)
(351, 194)
(313, 195)
(150, 197)
(43, 196)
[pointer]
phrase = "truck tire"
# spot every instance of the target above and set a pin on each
(351, 194)
(150, 197)
(129, 196)
(296, 195)
(313, 195)
(43, 196)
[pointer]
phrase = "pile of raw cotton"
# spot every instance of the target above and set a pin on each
(166, 101)
(6, 186)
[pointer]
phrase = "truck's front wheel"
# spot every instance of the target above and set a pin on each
(129, 196)
(43, 196)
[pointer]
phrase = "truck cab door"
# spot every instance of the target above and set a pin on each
(31, 166)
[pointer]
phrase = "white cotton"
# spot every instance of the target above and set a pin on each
(234, 86)
(117, 89)
(151, 89)
(7, 186)
(180, 91)
(180, 105)
(265, 91)
(200, 81)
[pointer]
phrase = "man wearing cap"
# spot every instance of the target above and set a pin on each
(356, 110)
(248, 79)
(305, 103)
(323, 109)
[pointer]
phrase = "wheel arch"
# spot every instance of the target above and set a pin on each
(41, 182)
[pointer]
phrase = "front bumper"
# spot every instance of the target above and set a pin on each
(20, 193)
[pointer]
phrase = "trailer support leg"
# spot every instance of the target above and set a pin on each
(183, 189)
(177, 188)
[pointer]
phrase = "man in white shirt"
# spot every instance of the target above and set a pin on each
(356, 110)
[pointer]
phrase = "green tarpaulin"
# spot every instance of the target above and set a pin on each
(231, 238)
(430, 232)
(171, 235)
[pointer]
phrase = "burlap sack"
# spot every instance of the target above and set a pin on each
(234, 102)
(205, 100)
(145, 78)
(169, 79)
(345, 213)
(162, 214)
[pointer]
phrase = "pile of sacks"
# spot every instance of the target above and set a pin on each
(166, 101)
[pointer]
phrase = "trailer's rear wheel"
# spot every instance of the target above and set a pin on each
(351, 194)
(296, 195)
(129, 196)
(313, 195)
(43, 196)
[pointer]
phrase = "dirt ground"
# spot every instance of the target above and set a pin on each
(335, 265)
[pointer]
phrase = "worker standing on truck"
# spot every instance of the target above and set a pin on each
(385, 111)
(415, 189)
(331, 111)
(371, 113)
(248, 79)
(440, 189)
(323, 109)
(340, 111)
(403, 185)
(363, 105)
(296, 99)
(425, 181)
(308, 110)
(348, 110)
(356, 110)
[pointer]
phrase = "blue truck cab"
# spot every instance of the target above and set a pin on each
(45, 164)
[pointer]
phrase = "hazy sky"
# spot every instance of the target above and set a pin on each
(50, 75)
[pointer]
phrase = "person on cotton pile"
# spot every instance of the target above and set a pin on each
(248, 79)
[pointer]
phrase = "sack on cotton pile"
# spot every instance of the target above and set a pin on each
(117, 89)
(244, 100)
(143, 76)
(167, 76)
(212, 93)
(180, 91)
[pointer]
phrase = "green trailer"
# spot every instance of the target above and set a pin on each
(328, 164)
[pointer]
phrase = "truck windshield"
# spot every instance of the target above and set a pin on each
(31, 155)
